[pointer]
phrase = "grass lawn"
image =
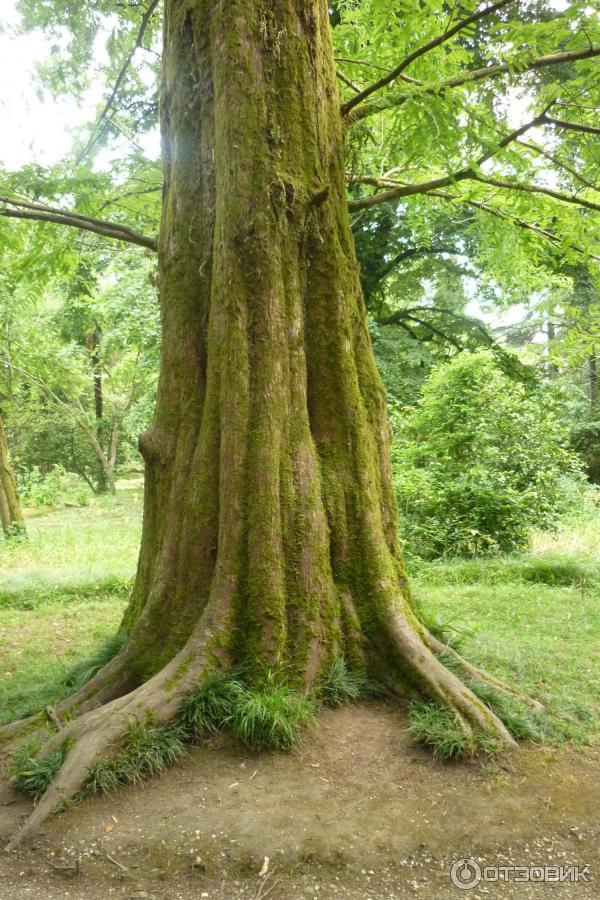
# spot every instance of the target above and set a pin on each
(62, 595)
(532, 618)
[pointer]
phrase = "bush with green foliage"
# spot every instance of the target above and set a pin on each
(479, 461)
(56, 487)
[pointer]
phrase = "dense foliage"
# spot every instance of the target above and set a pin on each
(479, 460)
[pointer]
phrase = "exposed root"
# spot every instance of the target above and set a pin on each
(14, 730)
(478, 674)
(442, 686)
(98, 733)
(105, 685)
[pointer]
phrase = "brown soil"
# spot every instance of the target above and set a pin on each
(357, 812)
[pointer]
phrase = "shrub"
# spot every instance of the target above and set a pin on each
(54, 488)
(479, 461)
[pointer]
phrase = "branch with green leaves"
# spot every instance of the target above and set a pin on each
(447, 35)
(119, 80)
(470, 172)
(515, 67)
(16, 208)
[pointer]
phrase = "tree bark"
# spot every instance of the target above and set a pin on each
(94, 342)
(592, 381)
(270, 523)
(11, 514)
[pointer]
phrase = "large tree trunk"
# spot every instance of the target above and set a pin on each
(270, 521)
(11, 515)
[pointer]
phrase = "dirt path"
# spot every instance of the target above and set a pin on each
(356, 813)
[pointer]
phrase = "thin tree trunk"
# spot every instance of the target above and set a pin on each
(4, 510)
(12, 516)
(94, 341)
(104, 460)
(592, 381)
(551, 333)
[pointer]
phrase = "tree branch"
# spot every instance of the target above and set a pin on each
(472, 77)
(108, 105)
(554, 239)
(424, 187)
(21, 209)
(572, 126)
(559, 163)
(537, 189)
(505, 216)
(421, 51)
(347, 81)
(474, 324)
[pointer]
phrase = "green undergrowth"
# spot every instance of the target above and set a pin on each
(50, 680)
(531, 620)
(270, 716)
(342, 685)
(147, 752)
(62, 592)
(550, 570)
(62, 597)
(438, 729)
(33, 774)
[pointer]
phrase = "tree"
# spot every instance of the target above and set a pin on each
(11, 516)
(270, 522)
(69, 399)
(480, 460)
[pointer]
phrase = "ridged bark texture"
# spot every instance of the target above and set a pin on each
(269, 491)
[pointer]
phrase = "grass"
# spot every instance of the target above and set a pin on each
(33, 775)
(532, 619)
(62, 596)
(148, 752)
(271, 715)
(341, 685)
(436, 727)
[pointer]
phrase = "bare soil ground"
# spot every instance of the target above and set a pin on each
(356, 812)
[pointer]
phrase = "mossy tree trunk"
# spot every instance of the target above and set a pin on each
(11, 515)
(270, 522)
